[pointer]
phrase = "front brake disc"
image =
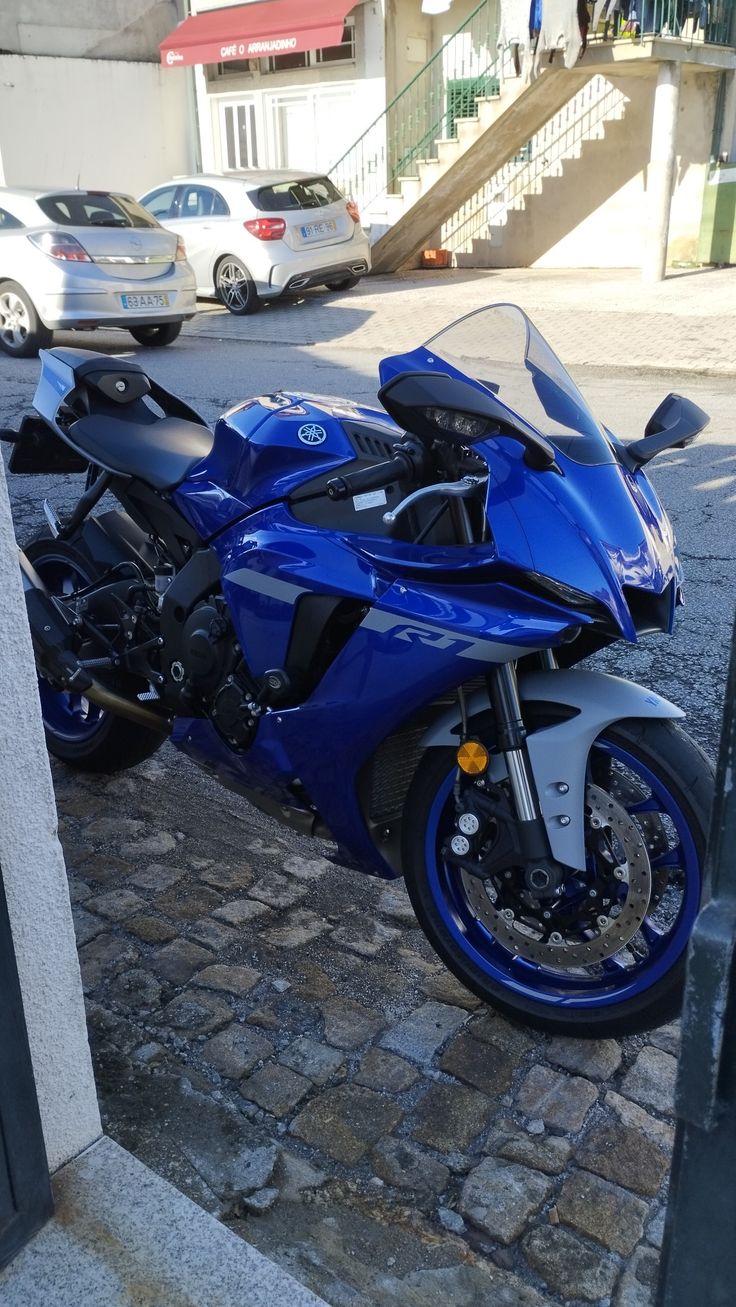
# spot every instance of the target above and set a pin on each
(526, 941)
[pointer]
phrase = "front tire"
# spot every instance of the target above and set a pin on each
(235, 287)
(654, 774)
(22, 333)
(77, 731)
(163, 334)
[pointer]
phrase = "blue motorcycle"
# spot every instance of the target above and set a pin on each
(370, 623)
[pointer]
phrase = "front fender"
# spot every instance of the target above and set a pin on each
(559, 752)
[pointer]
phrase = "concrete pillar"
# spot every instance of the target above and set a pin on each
(661, 171)
(35, 884)
(727, 143)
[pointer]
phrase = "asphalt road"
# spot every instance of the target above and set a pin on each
(698, 485)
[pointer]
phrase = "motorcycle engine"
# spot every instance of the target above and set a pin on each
(208, 672)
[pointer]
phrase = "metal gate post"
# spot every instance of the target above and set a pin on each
(25, 1189)
(698, 1265)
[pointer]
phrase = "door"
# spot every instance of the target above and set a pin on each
(25, 1189)
(239, 147)
(202, 212)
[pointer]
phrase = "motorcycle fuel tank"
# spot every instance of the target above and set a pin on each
(268, 446)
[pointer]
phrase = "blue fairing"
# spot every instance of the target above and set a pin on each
(412, 645)
(258, 457)
(563, 548)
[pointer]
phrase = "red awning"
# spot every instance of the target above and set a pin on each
(255, 31)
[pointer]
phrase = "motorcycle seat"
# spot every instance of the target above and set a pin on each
(159, 451)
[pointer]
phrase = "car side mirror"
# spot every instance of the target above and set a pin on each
(674, 424)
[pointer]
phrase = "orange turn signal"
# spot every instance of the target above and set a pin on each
(472, 757)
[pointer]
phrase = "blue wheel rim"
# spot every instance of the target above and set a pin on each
(611, 984)
(68, 717)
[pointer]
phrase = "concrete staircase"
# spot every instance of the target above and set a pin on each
(565, 171)
(483, 145)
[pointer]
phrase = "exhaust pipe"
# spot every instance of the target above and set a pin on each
(50, 632)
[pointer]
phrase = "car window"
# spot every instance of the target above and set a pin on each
(161, 202)
(8, 222)
(201, 202)
(311, 193)
(94, 209)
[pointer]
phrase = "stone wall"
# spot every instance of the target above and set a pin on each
(35, 884)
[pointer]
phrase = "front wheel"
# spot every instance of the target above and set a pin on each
(606, 954)
(78, 731)
(163, 334)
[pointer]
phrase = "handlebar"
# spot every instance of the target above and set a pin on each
(402, 467)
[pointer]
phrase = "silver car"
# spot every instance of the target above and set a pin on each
(83, 259)
(251, 236)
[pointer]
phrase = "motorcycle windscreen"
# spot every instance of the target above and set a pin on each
(500, 348)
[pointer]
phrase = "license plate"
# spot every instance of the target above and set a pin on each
(145, 301)
(314, 229)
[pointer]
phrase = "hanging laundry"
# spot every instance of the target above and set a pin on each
(513, 33)
(560, 31)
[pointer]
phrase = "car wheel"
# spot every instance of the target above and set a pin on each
(22, 332)
(345, 283)
(235, 286)
(164, 334)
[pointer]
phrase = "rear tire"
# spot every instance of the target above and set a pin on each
(79, 733)
(345, 283)
(164, 334)
(235, 287)
(680, 779)
(22, 333)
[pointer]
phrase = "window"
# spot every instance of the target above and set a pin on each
(160, 203)
(202, 202)
(240, 66)
(342, 53)
(239, 146)
(312, 193)
(94, 209)
(8, 222)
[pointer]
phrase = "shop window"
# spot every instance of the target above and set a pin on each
(344, 52)
(239, 66)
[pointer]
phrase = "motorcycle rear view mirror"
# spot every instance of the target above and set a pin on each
(673, 425)
(434, 406)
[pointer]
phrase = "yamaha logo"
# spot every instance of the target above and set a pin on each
(312, 434)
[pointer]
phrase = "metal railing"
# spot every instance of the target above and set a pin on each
(560, 140)
(710, 22)
(424, 112)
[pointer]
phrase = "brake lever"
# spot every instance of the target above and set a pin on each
(465, 486)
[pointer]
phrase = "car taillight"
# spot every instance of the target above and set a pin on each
(60, 245)
(266, 229)
(181, 249)
(353, 210)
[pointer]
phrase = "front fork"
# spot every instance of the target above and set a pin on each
(521, 844)
(511, 737)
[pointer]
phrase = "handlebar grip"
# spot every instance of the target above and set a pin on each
(379, 475)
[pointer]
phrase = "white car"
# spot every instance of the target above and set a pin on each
(72, 259)
(251, 236)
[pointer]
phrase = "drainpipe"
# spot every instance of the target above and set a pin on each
(661, 171)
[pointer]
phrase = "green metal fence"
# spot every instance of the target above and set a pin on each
(424, 112)
(710, 22)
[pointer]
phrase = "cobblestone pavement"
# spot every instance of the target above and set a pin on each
(271, 1032)
(686, 323)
